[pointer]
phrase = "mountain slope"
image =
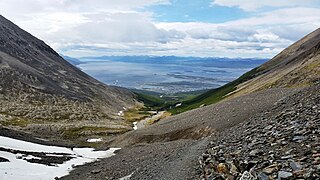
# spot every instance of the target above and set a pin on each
(297, 65)
(43, 93)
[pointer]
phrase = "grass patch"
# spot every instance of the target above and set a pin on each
(154, 120)
(149, 100)
(185, 96)
(136, 114)
(157, 100)
(180, 96)
(74, 133)
(16, 122)
(313, 65)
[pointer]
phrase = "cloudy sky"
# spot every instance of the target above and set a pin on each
(224, 28)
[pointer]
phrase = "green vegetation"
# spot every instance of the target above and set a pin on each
(192, 100)
(136, 114)
(184, 96)
(313, 66)
(16, 122)
(149, 100)
(153, 101)
(214, 95)
(76, 132)
(156, 119)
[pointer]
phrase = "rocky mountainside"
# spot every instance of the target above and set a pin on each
(42, 93)
(280, 143)
(297, 65)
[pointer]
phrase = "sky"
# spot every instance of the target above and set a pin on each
(204, 28)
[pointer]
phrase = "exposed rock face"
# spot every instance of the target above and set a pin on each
(297, 65)
(37, 86)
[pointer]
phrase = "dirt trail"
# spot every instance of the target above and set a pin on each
(145, 122)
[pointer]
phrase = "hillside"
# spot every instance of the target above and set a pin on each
(297, 65)
(42, 93)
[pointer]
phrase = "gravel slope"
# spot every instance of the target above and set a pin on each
(281, 143)
(170, 149)
(201, 122)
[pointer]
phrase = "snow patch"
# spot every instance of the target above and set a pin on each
(135, 127)
(120, 113)
(126, 177)
(94, 140)
(19, 169)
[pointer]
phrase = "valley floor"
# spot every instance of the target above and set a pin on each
(178, 147)
(171, 148)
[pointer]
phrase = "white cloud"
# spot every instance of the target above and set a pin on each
(31, 6)
(253, 5)
(264, 35)
(108, 27)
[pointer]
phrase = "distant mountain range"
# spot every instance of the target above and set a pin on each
(71, 60)
(165, 74)
(216, 61)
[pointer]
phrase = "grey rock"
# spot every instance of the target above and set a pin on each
(96, 171)
(255, 152)
(295, 166)
(284, 174)
(286, 157)
(247, 176)
(298, 138)
(4, 160)
(263, 176)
